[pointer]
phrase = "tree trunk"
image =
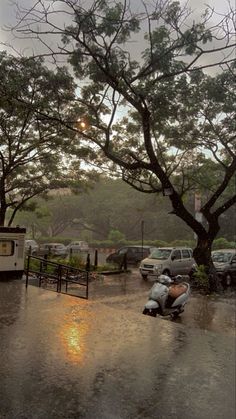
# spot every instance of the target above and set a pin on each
(202, 252)
(3, 205)
(202, 256)
(3, 210)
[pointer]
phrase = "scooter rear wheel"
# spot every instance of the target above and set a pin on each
(176, 314)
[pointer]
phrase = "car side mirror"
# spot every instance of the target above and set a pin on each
(173, 257)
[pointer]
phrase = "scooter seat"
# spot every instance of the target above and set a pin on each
(176, 290)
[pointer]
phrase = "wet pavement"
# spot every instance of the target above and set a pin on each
(130, 292)
(65, 357)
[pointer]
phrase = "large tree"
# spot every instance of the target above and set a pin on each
(179, 118)
(32, 147)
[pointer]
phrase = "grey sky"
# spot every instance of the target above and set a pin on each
(8, 17)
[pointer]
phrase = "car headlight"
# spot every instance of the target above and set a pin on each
(157, 268)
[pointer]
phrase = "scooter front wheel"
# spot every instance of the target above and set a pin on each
(150, 312)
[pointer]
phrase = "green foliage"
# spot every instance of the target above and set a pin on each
(34, 264)
(201, 278)
(98, 244)
(222, 243)
(74, 261)
(32, 146)
(156, 243)
(37, 265)
(113, 205)
(185, 243)
(116, 236)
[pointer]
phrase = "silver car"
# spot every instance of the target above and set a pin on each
(55, 249)
(78, 246)
(225, 263)
(169, 261)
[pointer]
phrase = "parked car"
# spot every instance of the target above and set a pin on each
(225, 263)
(134, 254)
(77, 246)
(169, 261)
(55, 249)
(31, 247)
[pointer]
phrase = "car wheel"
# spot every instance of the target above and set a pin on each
(227, 279)
(144, 277)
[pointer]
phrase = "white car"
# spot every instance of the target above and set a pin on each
(169, 261)
(31, 247)
(78, 246)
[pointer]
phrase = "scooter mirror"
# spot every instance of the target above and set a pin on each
(164, 279)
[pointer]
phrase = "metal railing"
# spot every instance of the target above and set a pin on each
(53, 273)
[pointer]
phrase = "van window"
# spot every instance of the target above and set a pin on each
(122, 251)
(176, 254)
(186, 254)
(6, 247)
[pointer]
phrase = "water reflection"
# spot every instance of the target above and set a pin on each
(73, 335)
(10, 301)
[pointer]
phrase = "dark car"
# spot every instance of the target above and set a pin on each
(133, 254)
(225, 263)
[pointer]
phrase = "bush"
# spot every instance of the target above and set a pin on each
(183, 243)
(222, 243)
(116, 236)
(158, 243)
(201, 278)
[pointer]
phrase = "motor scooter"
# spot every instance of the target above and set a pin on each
(167, 297)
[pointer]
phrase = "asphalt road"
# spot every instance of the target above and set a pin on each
(65, 357)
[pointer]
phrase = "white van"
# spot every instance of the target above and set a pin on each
(167, 260)
(12, 252)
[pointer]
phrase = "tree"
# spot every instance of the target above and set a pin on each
(179, 120)
(32, 147)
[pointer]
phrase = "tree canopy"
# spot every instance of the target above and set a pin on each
(33, 148)
(179, 119)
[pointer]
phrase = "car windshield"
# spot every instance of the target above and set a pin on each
(160, 254)
(221, 257)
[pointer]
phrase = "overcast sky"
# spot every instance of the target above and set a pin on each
(8, 13)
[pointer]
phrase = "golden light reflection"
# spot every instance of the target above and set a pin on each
(73, 338)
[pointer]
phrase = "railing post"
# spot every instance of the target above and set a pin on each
(59, 279)
(125, 262)
(45, 257)
(87, 284)
(27, 272)
(95, 259)
(88, 263)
